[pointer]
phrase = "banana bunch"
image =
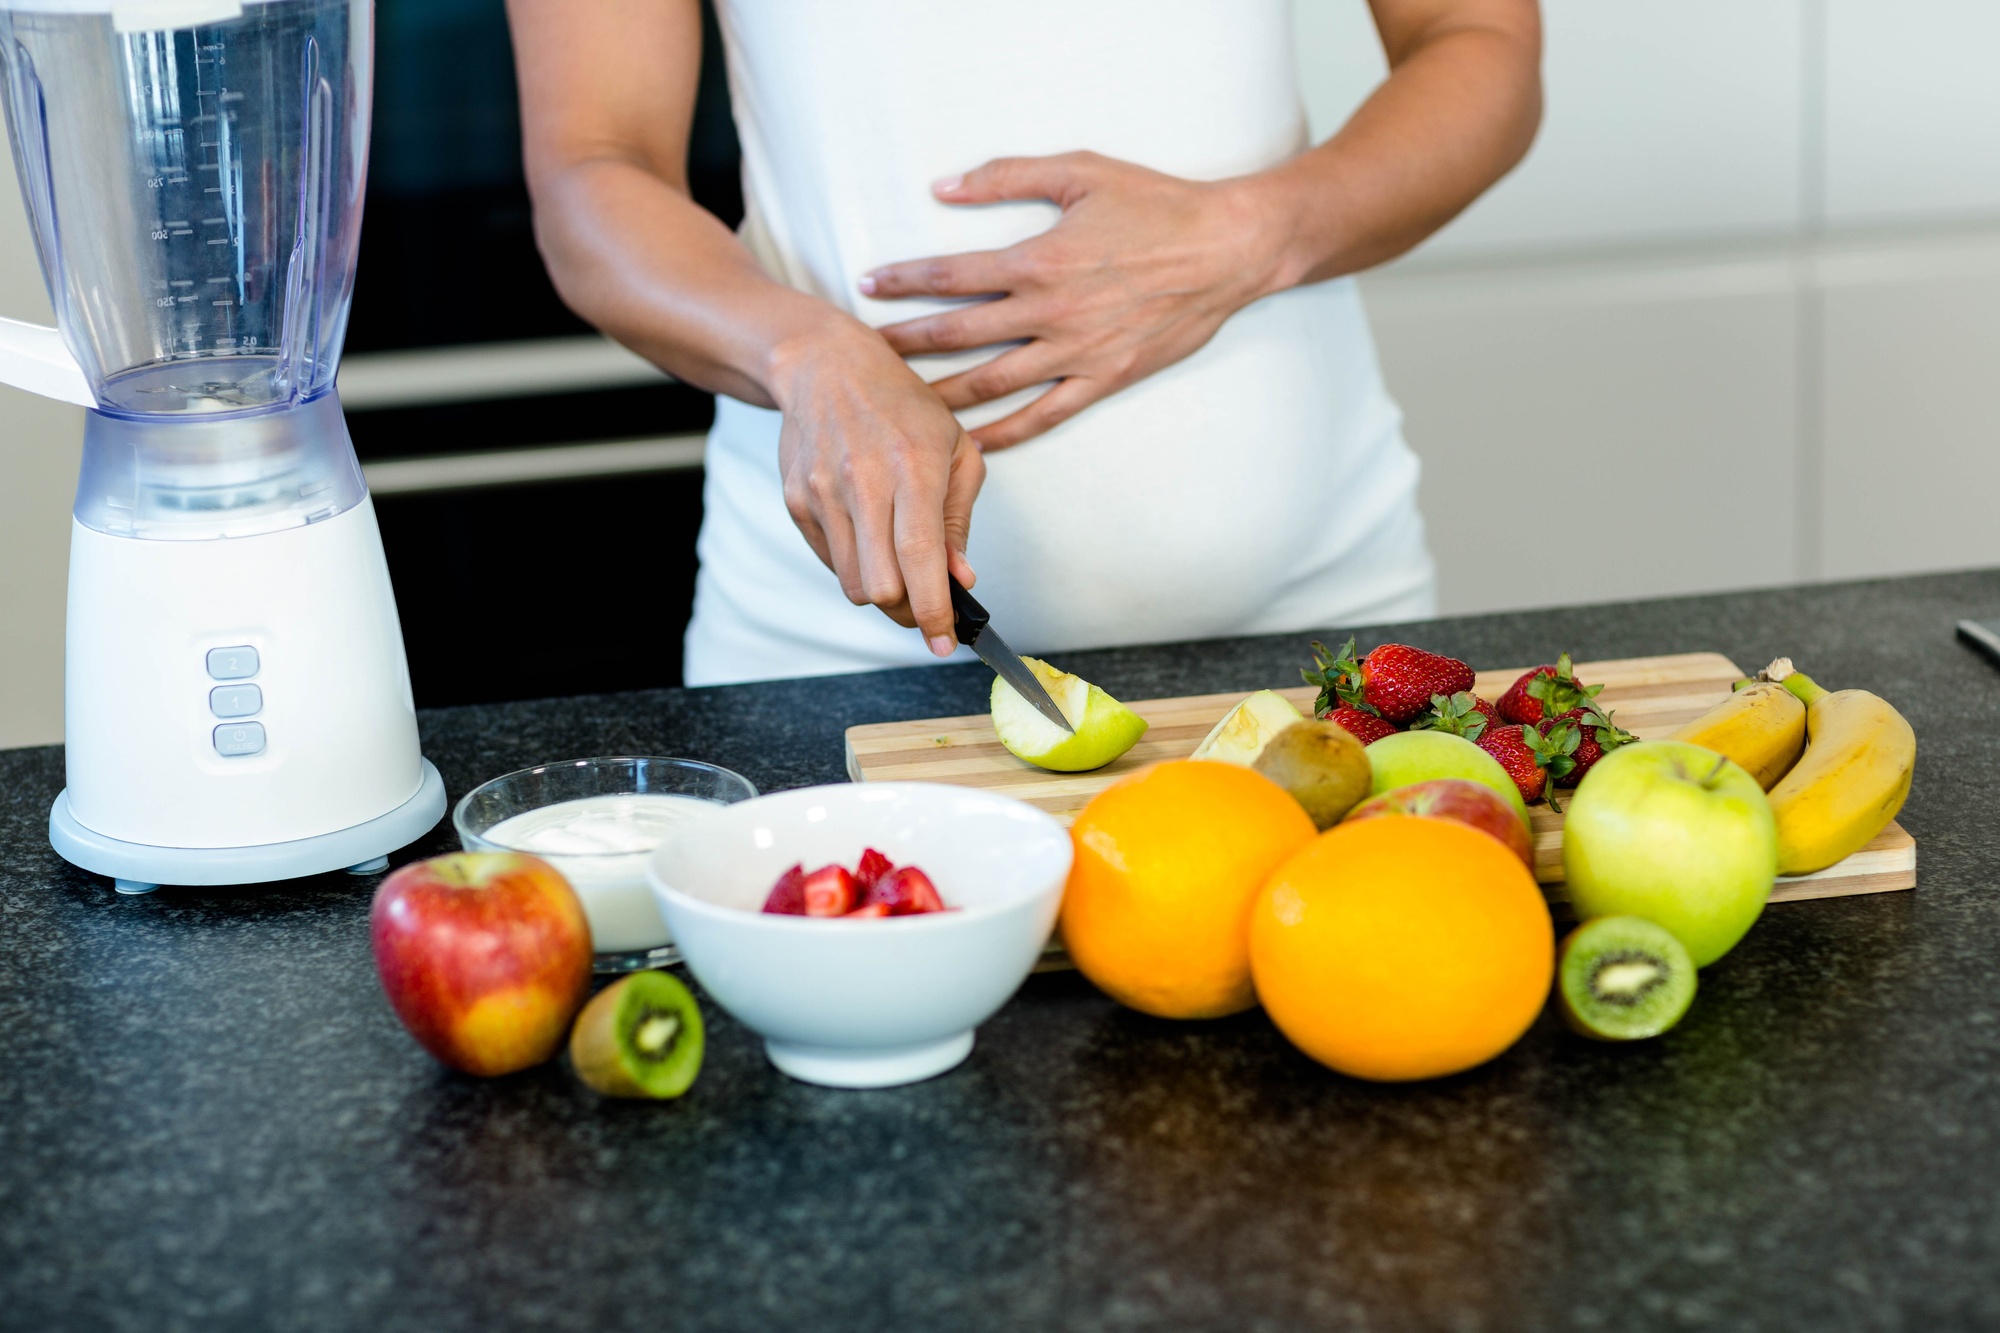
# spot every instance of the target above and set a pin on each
(1836, 763)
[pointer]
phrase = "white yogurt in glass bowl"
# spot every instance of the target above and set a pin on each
(598, 822)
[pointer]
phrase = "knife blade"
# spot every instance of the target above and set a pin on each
(975, 631)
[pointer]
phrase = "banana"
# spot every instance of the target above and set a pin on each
(1851, 781)
(1762, 727)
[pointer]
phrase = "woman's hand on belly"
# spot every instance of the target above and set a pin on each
(1142, 268)
(1139, 272)
(878, 475)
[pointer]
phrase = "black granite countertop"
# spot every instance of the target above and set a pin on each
(209, 1118)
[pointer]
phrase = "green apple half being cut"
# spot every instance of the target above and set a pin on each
(1247, 728)
(1105, 728)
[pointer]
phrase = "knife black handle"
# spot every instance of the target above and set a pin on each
(972, 617)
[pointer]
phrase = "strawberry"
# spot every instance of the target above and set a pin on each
(905, 891)
(872, 866)
(1395, 680)
(1531, 758)
(1365, 726)
(1550, 690)
(788, 895)
(830, 891)
(867, 910)
(1463, 714)
(1599, 736)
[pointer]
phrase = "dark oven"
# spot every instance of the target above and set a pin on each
(528, 473)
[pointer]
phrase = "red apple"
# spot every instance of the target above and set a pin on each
(1459, 799)
(485, 957)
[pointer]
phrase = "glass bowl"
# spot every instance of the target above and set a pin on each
(598, 821)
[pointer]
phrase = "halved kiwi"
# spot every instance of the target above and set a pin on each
(639, 1037)
(1621, 978)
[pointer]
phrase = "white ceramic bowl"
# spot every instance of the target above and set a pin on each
(870, 1003)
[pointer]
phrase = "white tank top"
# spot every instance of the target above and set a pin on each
(1261, 484)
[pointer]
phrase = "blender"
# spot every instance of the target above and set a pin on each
(237, 707)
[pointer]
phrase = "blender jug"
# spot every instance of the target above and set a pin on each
(237, 706)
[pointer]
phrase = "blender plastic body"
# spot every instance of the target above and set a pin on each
(237, 705)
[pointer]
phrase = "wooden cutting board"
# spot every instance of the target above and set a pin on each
(1651, 696)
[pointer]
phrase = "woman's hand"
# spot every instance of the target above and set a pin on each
(1141, 270)
(879, 476)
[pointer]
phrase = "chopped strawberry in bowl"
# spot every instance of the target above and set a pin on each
(864, 930)
(877, 887)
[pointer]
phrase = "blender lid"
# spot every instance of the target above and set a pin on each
(141, 15)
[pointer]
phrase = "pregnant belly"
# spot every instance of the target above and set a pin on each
(1182, 506)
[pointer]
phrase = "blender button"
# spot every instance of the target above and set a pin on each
(239, 738)
(235, 700)
(232, 663)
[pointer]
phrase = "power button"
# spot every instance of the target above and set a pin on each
(234, 739)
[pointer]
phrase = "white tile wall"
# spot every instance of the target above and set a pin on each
(1913, 110)
(1663, 121)
(1598, 431)
(1768, 397)
(1912, 434)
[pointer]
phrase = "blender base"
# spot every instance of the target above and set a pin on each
(138, 868)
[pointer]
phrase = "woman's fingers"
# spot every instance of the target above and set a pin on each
(1010, 372)
(1006, 320)
(1064, 178)
(968, 474)
(1053, 408)
(974, 273)
(877, 547)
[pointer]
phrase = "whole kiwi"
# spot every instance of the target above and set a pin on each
(1322, 765)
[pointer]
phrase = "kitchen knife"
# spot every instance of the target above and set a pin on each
(976, 632)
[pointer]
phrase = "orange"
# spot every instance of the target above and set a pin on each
(1168, 862)
(1402, 948)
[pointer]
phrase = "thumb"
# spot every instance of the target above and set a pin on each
(1064, 179)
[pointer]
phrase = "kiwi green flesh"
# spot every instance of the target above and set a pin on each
(1623, 978)
(659, 1034)
(641, 1036)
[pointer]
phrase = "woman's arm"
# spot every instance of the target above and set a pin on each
(878, 474)
(1143, 268)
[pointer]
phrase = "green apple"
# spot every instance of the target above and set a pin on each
(1419, 756)
(1676, 834)
(1247, 728)
(1104, 728)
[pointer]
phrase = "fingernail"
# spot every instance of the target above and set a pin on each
(867, 284)
(942, 645)
(949, 185)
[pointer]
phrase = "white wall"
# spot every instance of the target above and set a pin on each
(1748, 281)
(40, 444)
